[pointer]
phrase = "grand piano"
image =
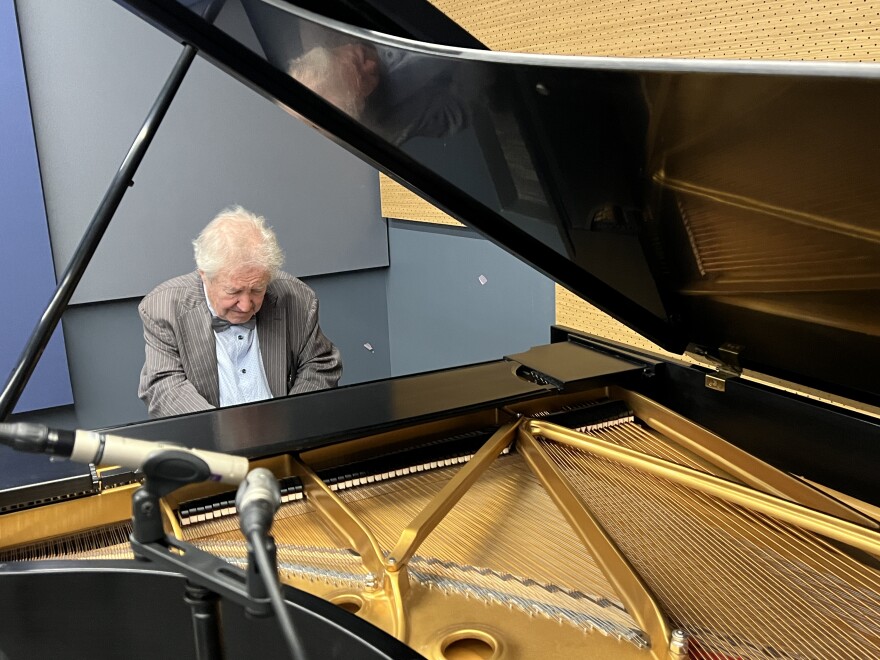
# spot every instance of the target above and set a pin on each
(580, 499)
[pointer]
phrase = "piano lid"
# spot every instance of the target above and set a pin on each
(697, 201)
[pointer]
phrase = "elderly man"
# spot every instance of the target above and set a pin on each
(236, 330)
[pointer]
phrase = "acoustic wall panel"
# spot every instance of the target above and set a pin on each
(354, 316)
(94, 70)
(25, 255)
(841, 30)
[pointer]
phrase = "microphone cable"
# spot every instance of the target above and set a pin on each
(273, 586)
(256, 501)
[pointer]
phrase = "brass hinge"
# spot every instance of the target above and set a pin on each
(726, 365)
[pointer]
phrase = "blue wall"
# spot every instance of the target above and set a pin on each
(26, 268)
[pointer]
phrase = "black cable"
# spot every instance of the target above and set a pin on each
(273, 586)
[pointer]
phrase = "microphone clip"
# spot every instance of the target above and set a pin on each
(165, 472)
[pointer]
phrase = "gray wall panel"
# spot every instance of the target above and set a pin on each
(105, 349)
(441, 314)
(93, 71)
(354, 312)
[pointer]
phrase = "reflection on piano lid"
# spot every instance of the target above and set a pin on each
(571, 501)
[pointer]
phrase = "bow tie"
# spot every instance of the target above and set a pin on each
(219, 325)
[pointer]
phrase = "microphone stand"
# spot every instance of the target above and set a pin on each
(208, 577)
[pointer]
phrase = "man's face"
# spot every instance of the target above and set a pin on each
(236, 295)
(359, 68)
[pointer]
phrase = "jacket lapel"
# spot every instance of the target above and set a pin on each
(271, 324)
(199, 340)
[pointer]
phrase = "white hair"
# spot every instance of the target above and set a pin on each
(237, 238)
(322, 72)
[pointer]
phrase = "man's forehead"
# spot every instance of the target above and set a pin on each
(242, 277)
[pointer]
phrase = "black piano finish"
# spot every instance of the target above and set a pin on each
(839, 451)
(320, 418)
(316, 419)
(821, 442)
(629, 154)
(133, 609)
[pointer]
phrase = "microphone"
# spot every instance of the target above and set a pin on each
(105, 449)
(256, 501)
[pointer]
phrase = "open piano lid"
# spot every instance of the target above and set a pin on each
(700, 202)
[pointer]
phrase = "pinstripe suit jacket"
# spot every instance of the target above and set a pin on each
(180, 370)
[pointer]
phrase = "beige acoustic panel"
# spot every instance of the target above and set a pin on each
(738, 29)
(574, 312)
(398, 202)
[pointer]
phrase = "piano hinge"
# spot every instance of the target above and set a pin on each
(726, 365)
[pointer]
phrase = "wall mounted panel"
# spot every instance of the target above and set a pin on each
(94, 71)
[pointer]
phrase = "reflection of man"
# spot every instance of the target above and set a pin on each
(344, 76)
(236, 330)
(399, 95)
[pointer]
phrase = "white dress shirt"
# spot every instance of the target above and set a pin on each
(240, 372)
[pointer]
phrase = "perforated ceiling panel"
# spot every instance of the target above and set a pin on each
(739, 29)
